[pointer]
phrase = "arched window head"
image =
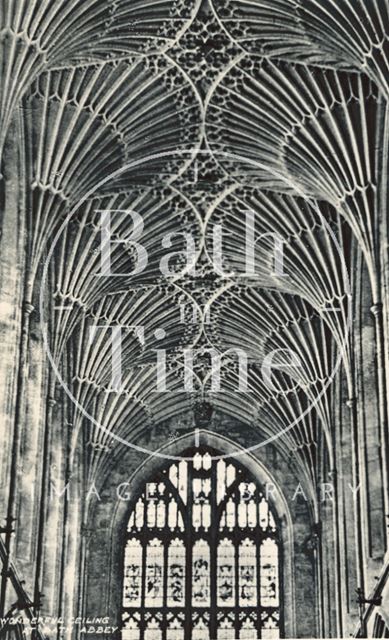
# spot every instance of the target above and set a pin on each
(202, 555)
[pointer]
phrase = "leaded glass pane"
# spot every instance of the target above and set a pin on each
(272, 523)
(231, 514)
(230, 474)
(247, 573)
(226, 573)
(131, 522)
(196, 516)
(183, 480)
(161, 514)
(221, 481)
(139, 513)
(172, 514)
(180, 522)
(226, 629)
(175, 630)
(197, 461)
(151, 514)
(201, 511)
(248, 630)
(132, 574)
(200, 574)
(173, 475)
(207, 461)
(251, 514)
(154, 574)
(242, 515)
(269, 573)
(176, 574)
(263, 514)
(270, 626)
(131, 629)
(201, 629)
(153, 630)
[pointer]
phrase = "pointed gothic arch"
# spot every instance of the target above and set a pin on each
(106, 528)
(233, 618)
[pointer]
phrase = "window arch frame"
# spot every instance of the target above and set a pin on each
(255, 469)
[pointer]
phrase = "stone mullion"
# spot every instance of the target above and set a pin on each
(144, 539)
(167, 538)
(213, 539)
(259, 539)
(236, 561)
(188, 624)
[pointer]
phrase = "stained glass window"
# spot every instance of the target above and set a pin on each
(202, 557)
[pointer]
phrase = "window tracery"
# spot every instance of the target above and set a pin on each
(202, 555)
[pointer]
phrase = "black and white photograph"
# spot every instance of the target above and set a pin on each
(194, 319)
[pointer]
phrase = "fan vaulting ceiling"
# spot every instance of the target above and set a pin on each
(122, 108)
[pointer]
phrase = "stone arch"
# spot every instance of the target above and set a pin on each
(108, 521)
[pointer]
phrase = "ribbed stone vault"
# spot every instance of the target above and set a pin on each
(194, 114)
